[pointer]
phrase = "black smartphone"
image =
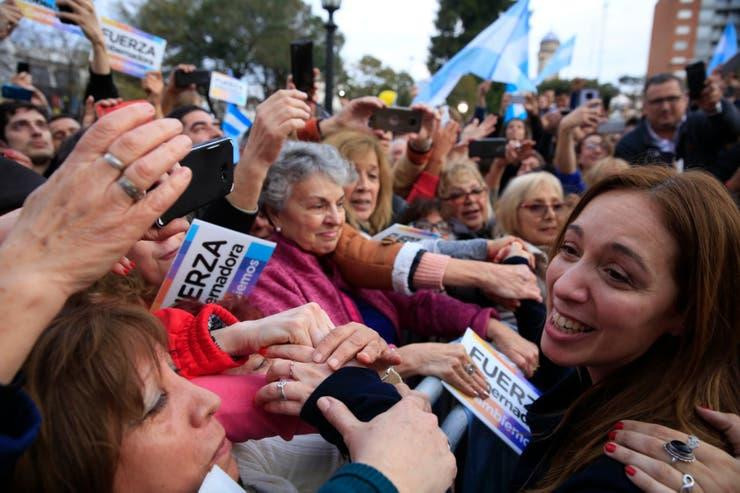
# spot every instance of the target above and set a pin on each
(696, 74)
(17, 93)
(487, 148)
(397, 120)
(201, 78)
(23, 67)
(212, 164)
(301, 64)
(68, 9)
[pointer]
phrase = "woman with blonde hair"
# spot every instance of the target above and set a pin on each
(465, 202)
(531, 208)
(370, 197)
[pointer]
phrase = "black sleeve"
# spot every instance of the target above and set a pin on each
(101, 86)
(20, 422)
(222, 213)
(530, 316)
(360, 389)
(16, 183)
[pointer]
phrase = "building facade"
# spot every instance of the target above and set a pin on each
(685, 31)
(548, 46)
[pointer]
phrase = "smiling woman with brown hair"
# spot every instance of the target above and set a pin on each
(642, 300)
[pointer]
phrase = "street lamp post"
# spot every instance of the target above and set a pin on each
(331, 6)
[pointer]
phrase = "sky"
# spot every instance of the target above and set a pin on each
(398, 32)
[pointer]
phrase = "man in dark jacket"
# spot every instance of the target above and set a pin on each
(668, 133)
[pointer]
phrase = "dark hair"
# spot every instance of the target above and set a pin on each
(60, 116)
(9, 108)
(183, 111)
(419, 208)
(661, 78)
(65, 149)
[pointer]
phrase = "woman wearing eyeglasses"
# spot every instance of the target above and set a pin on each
(532, 208)
(465, 202)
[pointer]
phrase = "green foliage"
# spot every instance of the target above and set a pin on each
(458, 22)
(369, 77)
(249, 37)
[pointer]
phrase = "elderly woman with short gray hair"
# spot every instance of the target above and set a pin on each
(303, 197)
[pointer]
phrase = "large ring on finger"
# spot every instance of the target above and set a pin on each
(130, 189)
(281, 387)
(114, 162)
(679, 451)
(469, 368)
(687, 484)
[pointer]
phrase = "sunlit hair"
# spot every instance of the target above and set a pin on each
(82, 374)
(299, 161)
(352, 145)
(458, 173)
(701, 366)
(604, 167)
(507, 206)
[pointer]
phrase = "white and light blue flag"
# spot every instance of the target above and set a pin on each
(725, 49)
(559, 60)
(234, 124)
(494, 54)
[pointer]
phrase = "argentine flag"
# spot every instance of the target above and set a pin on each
(495, 54)
(726, 48)
(234, 124)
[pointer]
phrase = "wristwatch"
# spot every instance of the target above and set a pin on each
(391, 376)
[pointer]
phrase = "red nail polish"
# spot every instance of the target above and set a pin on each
(612, 435)
(133, 264)
(610, 447)
(630, 470)
(619, 426)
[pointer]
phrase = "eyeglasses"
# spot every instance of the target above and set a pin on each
(441, 227)
(667, 99)
(460, 196)
(541, 209)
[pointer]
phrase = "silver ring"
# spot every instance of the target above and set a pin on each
(130, 189)
(688, 483)
(692, 442)
(114, 162)
(469, 368)
(679, 451)
(281, 387)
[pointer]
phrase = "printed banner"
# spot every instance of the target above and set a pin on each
(212, 262)
(503, 411)
(228, 89)
(405, 234)
(131, 51)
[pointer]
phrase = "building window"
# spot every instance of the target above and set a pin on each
(680, 45)
(684, 14)
(683, 29)
(678, 60)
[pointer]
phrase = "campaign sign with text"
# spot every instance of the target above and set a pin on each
(503, 411)
(211, 263)
(131, 51)
(405, 234)
(228, 89)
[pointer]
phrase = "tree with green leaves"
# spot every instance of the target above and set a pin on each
(249, 37)
(369, 77)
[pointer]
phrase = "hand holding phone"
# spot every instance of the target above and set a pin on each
(397, 120)
(301, 65)
(212, 164)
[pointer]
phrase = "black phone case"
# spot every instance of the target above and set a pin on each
(487, 148)
(397, 120)
(201, 78)
(213, 177)
(301, 65)
(696, 74)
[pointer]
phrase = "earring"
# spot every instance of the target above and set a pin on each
(278, 229)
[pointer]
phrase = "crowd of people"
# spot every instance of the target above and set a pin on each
(601, 264)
